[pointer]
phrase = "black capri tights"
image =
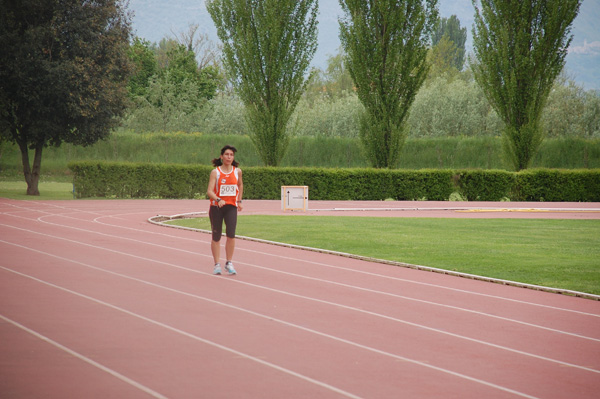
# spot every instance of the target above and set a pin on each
(227, 213)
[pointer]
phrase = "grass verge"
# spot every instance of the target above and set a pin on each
(48, 190)
(553, 253)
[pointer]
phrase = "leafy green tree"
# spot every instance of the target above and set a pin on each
(450, 28)
(170, 98)
(386, 42)
(145, 66)
(520, 48)
(162, 50)
(337, 75)
(63, 74)
(333, 83)
(267, 48)
(207, 52)
(442, 59)
(166, 106)
(182, 67)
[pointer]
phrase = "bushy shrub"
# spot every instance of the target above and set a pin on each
(444, 107)
(223, 115)
(322, 116)
(571, 111)
(452, 108)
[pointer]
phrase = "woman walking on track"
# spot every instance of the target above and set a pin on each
(225, 189)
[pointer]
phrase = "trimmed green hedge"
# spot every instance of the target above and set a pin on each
(138, 180)
(485, 185)
(558, 185)
(149, 180)
(349, 184)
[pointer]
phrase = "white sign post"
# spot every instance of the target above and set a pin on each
(294, 198)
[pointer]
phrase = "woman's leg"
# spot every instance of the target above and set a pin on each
(230, 217)
(229, 248)
(215, 248)
(215, 215)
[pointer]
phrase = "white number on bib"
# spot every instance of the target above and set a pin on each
(227, 190)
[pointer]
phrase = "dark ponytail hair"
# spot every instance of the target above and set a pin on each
(218, 162)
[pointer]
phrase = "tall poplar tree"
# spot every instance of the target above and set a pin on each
(450, 27)
(267, 49)
(520, 48)
(386, 43)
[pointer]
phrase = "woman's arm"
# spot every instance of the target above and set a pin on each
(240, 189)
(210, 191)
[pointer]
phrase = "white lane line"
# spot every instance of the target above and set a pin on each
(178, 331)
(117, 216)
(524, 323)
(309, 299)
(303, 277)
(339, 267)
(82, 357)
(249, 357)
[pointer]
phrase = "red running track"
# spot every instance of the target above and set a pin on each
(96, 302)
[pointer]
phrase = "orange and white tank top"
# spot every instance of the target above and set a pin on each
(226, 186)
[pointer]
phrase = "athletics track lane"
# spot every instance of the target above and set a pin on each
(97, 302)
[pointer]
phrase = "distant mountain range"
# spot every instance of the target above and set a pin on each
(155, 19)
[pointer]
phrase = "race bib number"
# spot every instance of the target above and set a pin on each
(227, 190)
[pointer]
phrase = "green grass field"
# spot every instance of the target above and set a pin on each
(554, 253)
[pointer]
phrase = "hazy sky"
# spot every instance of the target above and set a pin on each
(156, 19)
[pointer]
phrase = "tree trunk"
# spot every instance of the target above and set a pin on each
(32, 174)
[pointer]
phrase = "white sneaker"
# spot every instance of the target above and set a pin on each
(229, 268)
